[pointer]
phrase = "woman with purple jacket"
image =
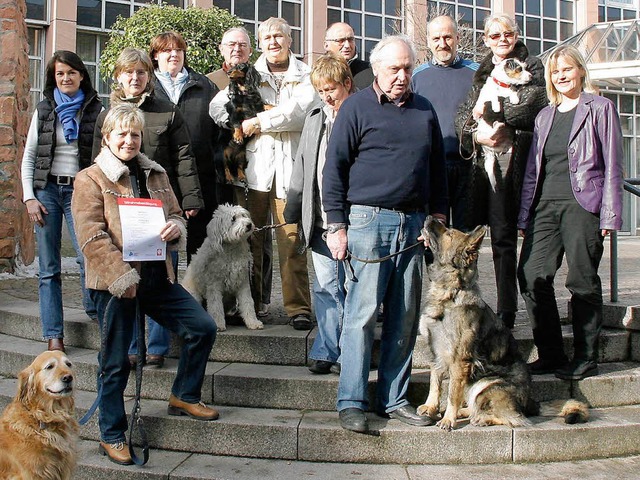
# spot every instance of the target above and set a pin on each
(571, 199)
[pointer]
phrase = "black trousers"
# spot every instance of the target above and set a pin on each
(558, 228)
(504, 246)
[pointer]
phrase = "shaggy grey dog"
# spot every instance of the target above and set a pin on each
(219, 271)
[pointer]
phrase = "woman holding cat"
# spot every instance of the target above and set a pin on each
(571, 199)
(499, 207)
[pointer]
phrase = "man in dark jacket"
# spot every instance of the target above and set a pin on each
(340, 39)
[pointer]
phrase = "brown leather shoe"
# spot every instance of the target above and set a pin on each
(56, 344)
(199, 410)
(155, 361)
(117, 452)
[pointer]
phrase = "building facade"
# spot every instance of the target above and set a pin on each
(83, 26)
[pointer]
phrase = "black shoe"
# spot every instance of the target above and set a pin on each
(508, 319)
(542, 367)
(577, 370)
(407, 414)
(335, 369)
(302, 322)
(155, 360)
(353, 419)
(321, 367)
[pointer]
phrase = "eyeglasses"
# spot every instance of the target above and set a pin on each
(240, 45)
(506, 35)
(341, 41)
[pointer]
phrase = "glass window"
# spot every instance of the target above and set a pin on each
(267, 8)
(355, 20)
(89, 47)
(333, 16)
(291, 12)
(393, 7)
(226, 4)
(626, 104)
(613, 14)
(373, 6)
(466, 16)
(549, 31)
(601, 14)
(534, 47)
(519, 6)
(532, 27)
(628, 14)
(113, 11)
(296, 43)
(333, 3)
(533, 7)
(566, 30)
(549, 8)
(35, 40)
(353, 4)
(245, 9)
(566, 10)
(486, 3)
(37, 10)
(373, 26)
(90, 13)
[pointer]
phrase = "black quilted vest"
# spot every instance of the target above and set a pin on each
(47, 134)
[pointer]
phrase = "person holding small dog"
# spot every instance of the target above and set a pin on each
(377, 185)
(276, 133)
(331, 77)
(122, 171)
(571, 200)
(166, 141)
(499, 207)
(58, 146)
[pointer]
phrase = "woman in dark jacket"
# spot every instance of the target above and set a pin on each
(571, 199)
(58, 146)
(191, 92)
(166, 141)
(499, 208)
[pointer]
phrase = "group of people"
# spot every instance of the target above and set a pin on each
(351, 157)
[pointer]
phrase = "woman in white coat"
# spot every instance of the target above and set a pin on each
(276, 132)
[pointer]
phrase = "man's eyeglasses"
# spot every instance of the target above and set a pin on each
(341, 41)
(506, 35)
(240, 45)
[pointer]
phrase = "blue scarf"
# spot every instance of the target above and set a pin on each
(67, 109)
(171, 86)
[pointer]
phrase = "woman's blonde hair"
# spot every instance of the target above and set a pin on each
(274, 24)
(333, 68)
(503, 19)
(129, 58)
(573, 55)
(123, 115)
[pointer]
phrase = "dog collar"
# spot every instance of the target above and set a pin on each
(501, 84)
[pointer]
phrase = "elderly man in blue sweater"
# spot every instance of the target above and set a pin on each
(445, 81)
(384, 171)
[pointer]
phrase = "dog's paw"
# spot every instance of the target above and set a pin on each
(429, 410)
(447, 424)
(222, 327)
(254, 325)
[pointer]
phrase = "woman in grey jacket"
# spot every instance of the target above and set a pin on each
(571, 199)
(332, 80)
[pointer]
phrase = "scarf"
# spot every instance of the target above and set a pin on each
(172, 86)
(67, 108)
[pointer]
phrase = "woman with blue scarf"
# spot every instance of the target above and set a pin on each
(58, 145)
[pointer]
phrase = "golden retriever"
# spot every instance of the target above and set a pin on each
(38, 429)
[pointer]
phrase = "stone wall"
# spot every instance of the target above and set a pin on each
(16, 232)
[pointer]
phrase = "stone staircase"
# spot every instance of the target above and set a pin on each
(272, 407)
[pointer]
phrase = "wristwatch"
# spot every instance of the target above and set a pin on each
(334, 227)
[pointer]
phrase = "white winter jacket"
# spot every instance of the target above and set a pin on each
(270, 154)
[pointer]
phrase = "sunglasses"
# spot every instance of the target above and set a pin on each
(506, 35)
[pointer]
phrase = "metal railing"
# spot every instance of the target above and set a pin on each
(630, 185)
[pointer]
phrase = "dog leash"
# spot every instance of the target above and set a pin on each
(136, 420)
(266, 227)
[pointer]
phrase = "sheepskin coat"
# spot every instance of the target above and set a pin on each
(519, 118)
(96, 218)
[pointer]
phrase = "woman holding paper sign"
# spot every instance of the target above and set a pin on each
(121, 171)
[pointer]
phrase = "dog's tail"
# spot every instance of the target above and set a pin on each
(573, 411)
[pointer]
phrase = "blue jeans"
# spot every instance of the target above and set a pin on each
(374, 233)
(158, 337)
(328, 294)
(174, 308)
(57, 200)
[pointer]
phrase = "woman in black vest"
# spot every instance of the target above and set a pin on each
(58, 146)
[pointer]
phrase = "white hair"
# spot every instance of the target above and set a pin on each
(376, 57)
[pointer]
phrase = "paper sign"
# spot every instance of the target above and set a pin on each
(142, 219)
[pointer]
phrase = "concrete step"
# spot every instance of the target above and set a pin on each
(317, 436)
(292, 387)
(169, 465)
(279, 344)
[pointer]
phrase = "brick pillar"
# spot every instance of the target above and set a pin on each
(16, 232)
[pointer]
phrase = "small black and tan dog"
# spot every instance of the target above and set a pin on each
(244, 102)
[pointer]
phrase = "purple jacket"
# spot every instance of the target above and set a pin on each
(595, 160)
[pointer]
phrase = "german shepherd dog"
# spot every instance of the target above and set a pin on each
(468, 342)
(244, 102)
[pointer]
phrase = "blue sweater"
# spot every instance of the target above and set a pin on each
(446, 88)
(382, 155)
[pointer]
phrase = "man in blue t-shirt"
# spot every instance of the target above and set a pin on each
(384, 170)
(445, 81)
